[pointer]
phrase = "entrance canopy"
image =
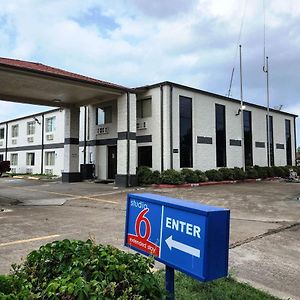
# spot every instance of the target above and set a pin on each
(35, 83)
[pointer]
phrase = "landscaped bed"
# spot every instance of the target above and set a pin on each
(83, 270)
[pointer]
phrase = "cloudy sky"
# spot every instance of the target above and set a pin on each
(138, 42)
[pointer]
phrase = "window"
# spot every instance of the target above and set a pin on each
(143, 108)
(50, 158)
(30, 159)
(288, 140)
(104, 115)
(1, 157)
(145, 156)
(14, 159)
(30, 128)
(271, 146)
(14, 130)
(185, 127)
(248, 137)
(50, 124)
(220, 135)
(1, 133)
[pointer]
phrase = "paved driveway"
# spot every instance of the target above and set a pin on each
(265, 223)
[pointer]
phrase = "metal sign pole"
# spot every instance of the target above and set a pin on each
(170, 283)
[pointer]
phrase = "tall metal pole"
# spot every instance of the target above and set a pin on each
(242, 112)
(266, 70)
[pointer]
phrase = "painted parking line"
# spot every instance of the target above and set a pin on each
(41, 238)
(78, 197)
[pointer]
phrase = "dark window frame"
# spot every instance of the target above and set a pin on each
(220, 127)
(288, 142)
(140, 109)
(2, 136)
(107, 111)
(144, 160)
(186, 131)
(248, 143)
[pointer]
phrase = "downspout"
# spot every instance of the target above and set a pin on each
(162, 127)
(128, 139)
(6, 140)
(295, 141)
(84, 145)
(42, 151)
(171, 126)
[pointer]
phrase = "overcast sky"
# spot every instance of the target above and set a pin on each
(139, 42)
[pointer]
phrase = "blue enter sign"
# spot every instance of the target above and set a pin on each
(186, 236)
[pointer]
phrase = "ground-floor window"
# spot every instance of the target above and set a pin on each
(14, 159)
(145, 156)
(30, 159)
(1, 157)
(50, 158)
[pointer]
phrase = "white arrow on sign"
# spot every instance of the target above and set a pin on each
(182, 247)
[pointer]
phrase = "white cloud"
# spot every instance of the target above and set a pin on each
(191, 42)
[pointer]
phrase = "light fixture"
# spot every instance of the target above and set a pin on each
(243, 107)
(37, 120)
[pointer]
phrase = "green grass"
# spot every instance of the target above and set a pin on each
(221, 289)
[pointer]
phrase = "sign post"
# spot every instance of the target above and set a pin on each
(186, 236)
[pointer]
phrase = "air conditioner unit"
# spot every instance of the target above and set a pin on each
(48, 171)
(1, 144)
(29, 171)
(30, 139)
(14, 142)
(141, 125)
(13, 170)
(49, 137)
(102, 130)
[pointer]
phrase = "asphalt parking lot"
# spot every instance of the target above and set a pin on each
(265, 223)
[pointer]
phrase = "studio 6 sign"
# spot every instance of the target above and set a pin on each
(189, 237)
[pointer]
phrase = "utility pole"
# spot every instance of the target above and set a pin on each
(242, 112)
(266, 70)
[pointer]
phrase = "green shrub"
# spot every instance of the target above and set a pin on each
(171, 177)
(270, 171)
(262, 172)
(239, 173)
(144, 175)
(201, 176)
(189, 176)
(156, 178)
(82, 270)
(278, 171)
(227, 174)
(214, 175)
(251, 173)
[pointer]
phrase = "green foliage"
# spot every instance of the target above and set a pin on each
(251, 173)
(144, 175)
(201, 176)
(221, 289)
(171, 177)
(156, 179)
(262, 172)
(214, 175)
(278, 172)
(82, 270)
(239, 173)
(189, 176)
(227, 173)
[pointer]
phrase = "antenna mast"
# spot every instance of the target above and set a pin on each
(242, 112)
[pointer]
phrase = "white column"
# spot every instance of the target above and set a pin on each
(126, 145)
(71, 147)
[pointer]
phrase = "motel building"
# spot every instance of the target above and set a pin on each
(116, 129)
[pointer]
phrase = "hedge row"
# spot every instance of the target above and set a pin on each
(147, 176)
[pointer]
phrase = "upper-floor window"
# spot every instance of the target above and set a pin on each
(1, 133)
(14, 159)
(30, 128)
(104, 115)
(143, 108)
(50, 124)
(14, 130)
